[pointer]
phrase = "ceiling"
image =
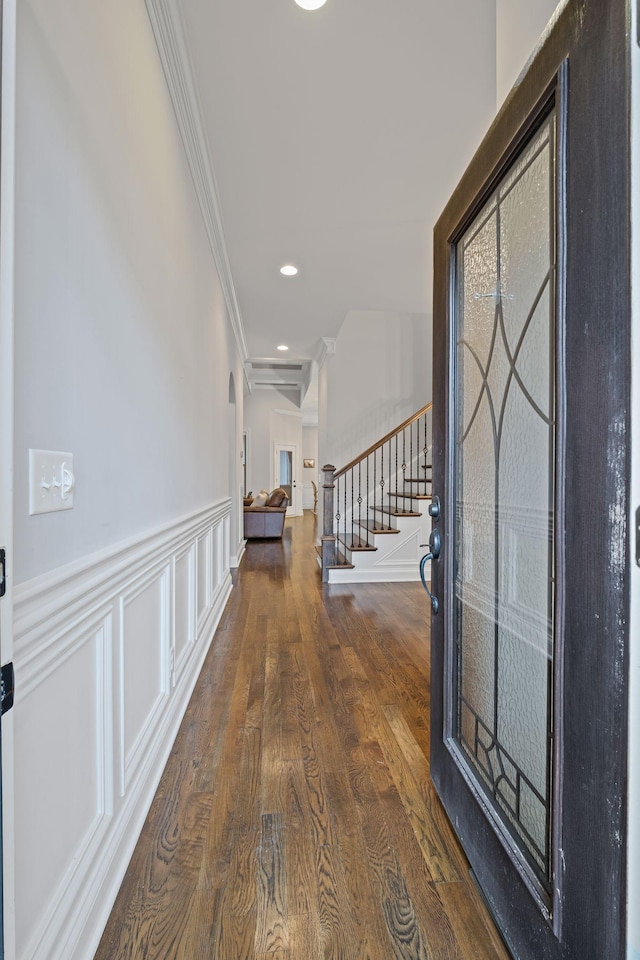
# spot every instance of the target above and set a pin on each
(336, 137)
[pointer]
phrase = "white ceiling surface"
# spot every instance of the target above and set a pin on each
(336, 137)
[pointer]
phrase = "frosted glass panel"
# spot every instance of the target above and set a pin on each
(286, 471)
(504, 424)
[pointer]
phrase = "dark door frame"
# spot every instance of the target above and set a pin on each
(588, 50)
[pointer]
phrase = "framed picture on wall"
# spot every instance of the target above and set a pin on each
(309, 463)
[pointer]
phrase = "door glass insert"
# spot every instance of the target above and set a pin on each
(286, 471)
(504, 476)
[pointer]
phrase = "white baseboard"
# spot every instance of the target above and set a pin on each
(401, 573)
(235, 561)
(107, 652)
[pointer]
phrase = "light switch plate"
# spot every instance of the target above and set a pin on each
(51, 481)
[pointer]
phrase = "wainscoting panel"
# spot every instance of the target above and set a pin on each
(63, 776)
(143, 666)
(107, 651)
(219, 554)
(204, 574)
(184, 598)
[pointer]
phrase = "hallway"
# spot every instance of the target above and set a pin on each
(295, 817)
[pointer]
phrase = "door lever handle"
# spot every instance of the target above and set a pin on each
(435, 545)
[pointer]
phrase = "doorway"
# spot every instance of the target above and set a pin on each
(531, 474)
(286, 474)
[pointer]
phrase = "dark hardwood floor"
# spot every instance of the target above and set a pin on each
(295, 818)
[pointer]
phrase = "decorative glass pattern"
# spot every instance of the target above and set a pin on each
(504, 526)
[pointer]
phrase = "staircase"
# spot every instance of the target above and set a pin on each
(375, 510)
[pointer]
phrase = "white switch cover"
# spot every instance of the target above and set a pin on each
(51, 481)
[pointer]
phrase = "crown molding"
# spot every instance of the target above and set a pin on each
(326, 347)
(168, 30)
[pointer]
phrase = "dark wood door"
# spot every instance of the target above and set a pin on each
(531, 467)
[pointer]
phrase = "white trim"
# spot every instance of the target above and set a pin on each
(169, 33)
(187, 555)
(46, 929)
(234, 562)
(85, 602)
(246, 431)
(288, 413)
(107, 569)
(326, 347)
(406, 572)
(203, 599)
(7, 289)
(130, 760)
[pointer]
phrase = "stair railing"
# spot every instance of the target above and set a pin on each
(388, 480)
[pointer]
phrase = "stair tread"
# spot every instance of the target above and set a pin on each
(372, 528)
(409, 496)
(343, 563)
(356, 544)
(417, 479)
(398, 513)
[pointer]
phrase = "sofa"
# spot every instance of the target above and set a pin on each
(264, 516)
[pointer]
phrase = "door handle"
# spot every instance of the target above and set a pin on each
(435, 545)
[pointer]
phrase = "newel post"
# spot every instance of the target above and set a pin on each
(328, 536)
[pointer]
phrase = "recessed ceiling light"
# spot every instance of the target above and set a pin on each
(288, 270)
(283, 346)
(311, 4)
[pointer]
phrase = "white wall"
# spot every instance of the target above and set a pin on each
(519, 24)
(123, 351)
(123, 355)
(633, 849)
(310, 452)
(379, 375)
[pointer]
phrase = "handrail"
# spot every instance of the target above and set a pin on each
(385, 439)
(389, 480)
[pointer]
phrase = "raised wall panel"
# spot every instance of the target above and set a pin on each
(226, 523)
(184, 605)
(143, 665)
(63, 781)
(204, 574)
(93, 644)
(218, 555)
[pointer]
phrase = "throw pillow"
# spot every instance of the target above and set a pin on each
(276, 498)
(260, 500)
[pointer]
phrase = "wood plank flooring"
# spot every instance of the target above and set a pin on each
(295, 819)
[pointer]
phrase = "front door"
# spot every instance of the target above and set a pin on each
(531, 468)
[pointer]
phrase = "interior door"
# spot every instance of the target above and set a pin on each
(286, 473)
(531, 466)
